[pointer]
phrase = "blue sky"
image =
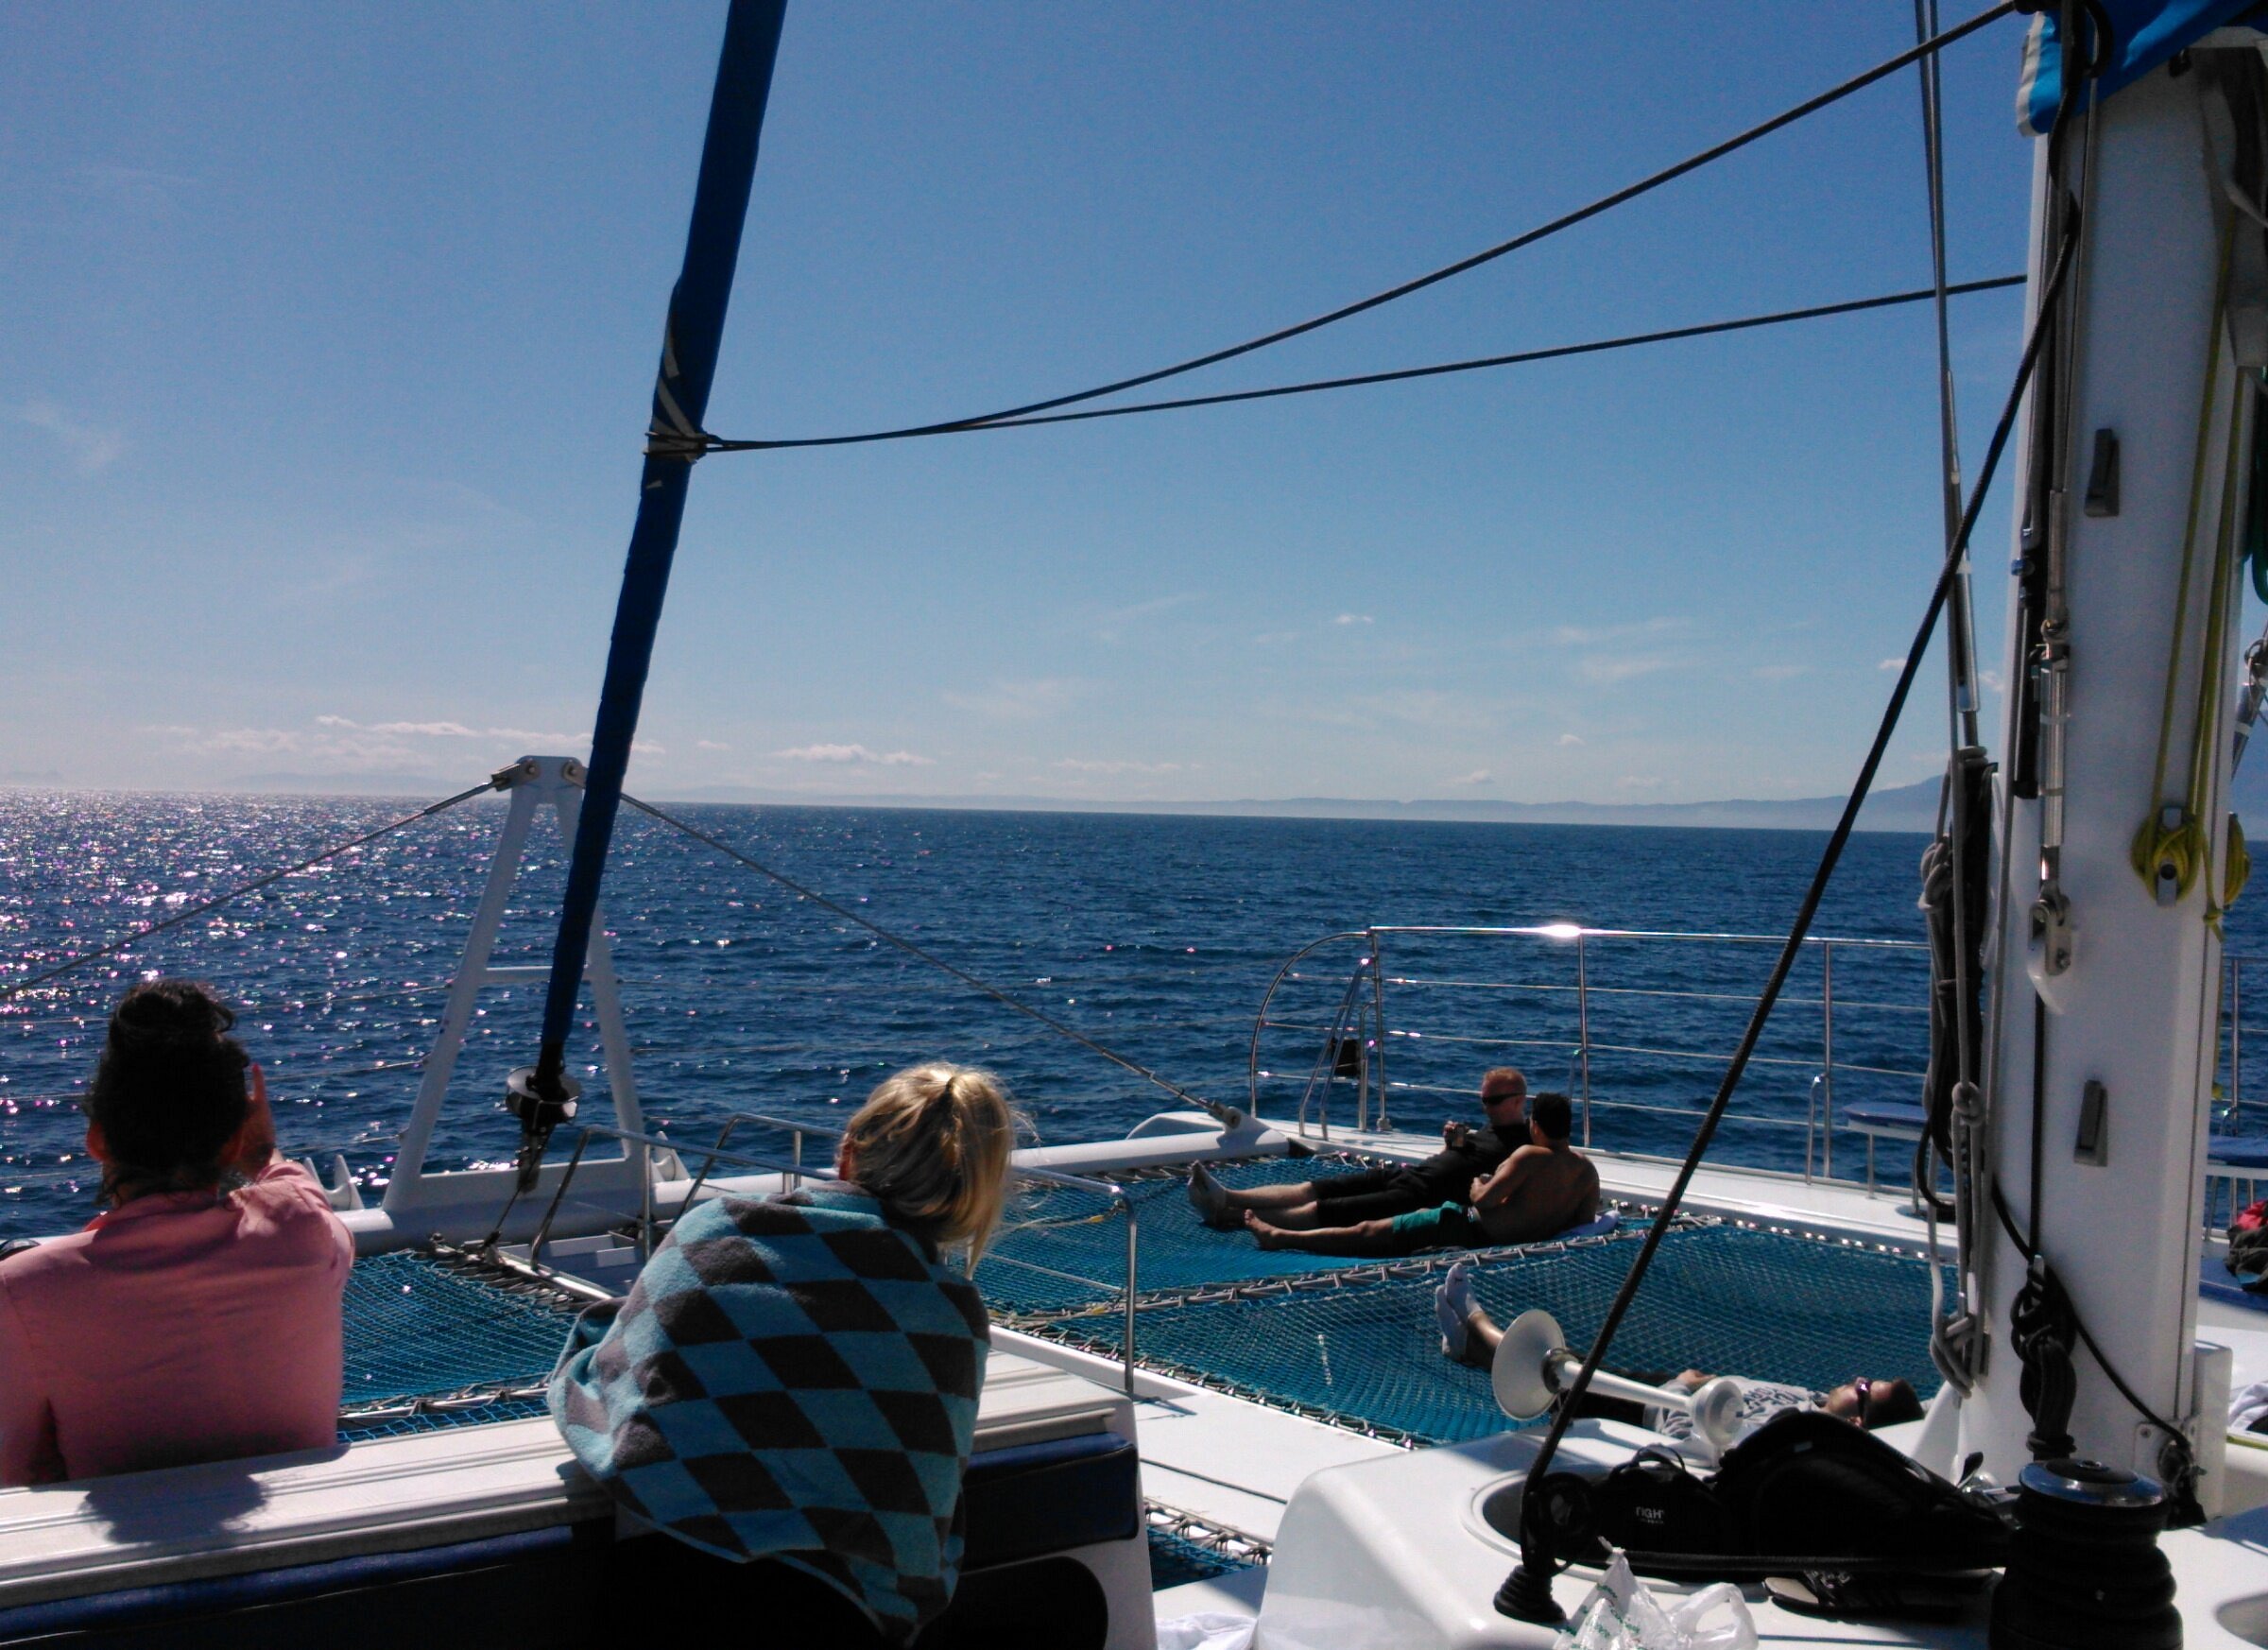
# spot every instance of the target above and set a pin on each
(331, 330)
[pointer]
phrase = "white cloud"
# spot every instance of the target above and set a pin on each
(1479, 776)
(341, 746)
(1891, 665)
(710, 745)
(1567, 740)
(1609, 668)
(1018, 701)
(853, 755)
(426, 729)
(91, 449)
(1354, 619)
(1991, 678)
(446, 730)
(1592, 635)
(1111, 627)
(1080, 765)
(257, 741)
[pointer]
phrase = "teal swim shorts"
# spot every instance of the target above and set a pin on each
(1450, 1225)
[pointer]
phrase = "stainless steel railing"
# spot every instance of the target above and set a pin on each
(1115, 1195)
(1362, 1015)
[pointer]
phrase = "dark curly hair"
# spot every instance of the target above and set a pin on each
(169, 1092)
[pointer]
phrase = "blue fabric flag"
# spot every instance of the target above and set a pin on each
(2144, 34)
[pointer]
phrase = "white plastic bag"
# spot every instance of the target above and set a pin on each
(1206, 1630)
(1621, 1614)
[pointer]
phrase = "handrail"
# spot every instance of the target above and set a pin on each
(646, 1143)
(1117, 1196)
(1819, 1121)
(1571, 931)
(1252, 1057)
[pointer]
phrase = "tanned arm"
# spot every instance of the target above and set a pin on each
(1495, 1190)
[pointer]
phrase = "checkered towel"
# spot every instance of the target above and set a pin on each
(790, 1378)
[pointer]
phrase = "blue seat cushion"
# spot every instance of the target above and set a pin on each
(2238, 1151)
(527, 1577)
(2215, 1281)
(1051, 1497)
(540, 1588)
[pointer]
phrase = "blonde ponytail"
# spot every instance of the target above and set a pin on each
(932, 1145)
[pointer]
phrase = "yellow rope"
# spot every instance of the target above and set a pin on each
(2204, 751)
(2180, 851)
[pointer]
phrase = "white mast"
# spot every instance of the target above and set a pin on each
(2121, 1004)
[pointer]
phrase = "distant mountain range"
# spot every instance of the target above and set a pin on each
(1902, 808)
(1906, 808)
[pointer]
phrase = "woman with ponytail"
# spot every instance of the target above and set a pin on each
(795, 1378)
(196, 1318)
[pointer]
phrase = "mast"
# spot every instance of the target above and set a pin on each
(694, 329)
(2116, 841)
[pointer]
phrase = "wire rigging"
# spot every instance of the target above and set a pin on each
(1227, 1115)
(1395, 375)
(1449, 271)
(11, 992)
(1526, 1593)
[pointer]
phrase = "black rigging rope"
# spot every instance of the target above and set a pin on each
(2049, 1310)
(1396, 375)
(1526, 238)
(12, 991)
(1229, 1116)
(1527, 1591)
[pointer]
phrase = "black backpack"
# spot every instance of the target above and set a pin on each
(1650, 1503)
(1804, 1491)
(1806, 1484)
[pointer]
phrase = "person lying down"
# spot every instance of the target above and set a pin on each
(1470, 1335)
(1538, 1192)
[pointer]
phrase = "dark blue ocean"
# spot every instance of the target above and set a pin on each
(1158, 936)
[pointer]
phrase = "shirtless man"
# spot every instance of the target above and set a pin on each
(1539, 1191)
(1363, 1195)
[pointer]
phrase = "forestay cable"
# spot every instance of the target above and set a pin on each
(116, 946)
(1395, 375)
(1228, 1116)
(1378, 300)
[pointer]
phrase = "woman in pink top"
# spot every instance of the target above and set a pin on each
(197, 1317)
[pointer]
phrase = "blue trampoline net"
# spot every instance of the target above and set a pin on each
(1359, 1346)
(432, 1342)
(438, 1340)
(1175, 1560)
(1062, 1249)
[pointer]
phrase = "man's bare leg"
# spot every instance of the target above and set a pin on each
(1367, 1240)
(1265, 1197)
(1218, 1206)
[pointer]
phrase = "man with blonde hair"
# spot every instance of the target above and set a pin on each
(1467, 1155)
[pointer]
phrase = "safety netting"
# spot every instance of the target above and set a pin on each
(1359, 1346)
(432, 1341)
(1064, 1247)
(1186, 1547)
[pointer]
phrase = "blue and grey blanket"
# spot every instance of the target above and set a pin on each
(791, 1377)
